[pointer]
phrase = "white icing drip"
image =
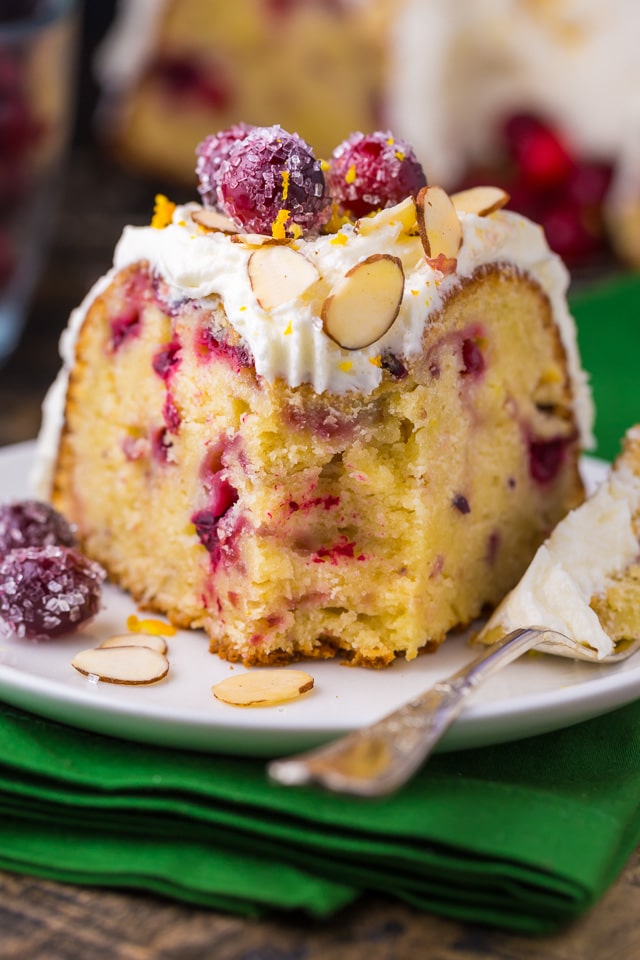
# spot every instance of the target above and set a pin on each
(289, 342)
(593, 542)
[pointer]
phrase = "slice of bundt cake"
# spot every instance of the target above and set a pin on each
(318, 442)
(585, 578)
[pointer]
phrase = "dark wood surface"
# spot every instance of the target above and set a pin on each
(43, 920)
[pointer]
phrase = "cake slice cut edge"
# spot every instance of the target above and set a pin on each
(584, 580)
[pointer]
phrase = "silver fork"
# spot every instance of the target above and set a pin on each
(380, 758)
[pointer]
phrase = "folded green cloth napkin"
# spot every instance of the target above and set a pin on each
(524, 836)
(608, 319)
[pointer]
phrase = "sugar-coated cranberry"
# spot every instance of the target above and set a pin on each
(267, 173)
(31, 523)
(369, 171)
(542, 157)
(210, 153)
(47, 592)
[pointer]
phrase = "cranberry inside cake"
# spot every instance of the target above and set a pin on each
(290, 523)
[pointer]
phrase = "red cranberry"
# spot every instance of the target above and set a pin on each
(166, 359)
(7, 260)
(47, 592)
(268, 172)
(171, 414)
(546, 457)
(208, 345)
(185, 79)
(206, 521)
(570, 232)
(472, 357)
(461, 503)
(589, 183)
(374, 170)
(394, 366)
(124, 326)
(31, 523)
(539, 152)
(210, 153)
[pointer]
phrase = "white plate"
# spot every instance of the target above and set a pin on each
(534, 695)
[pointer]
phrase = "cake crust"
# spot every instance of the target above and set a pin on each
(294, 525)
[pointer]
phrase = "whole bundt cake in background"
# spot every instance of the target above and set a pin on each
(313, 434)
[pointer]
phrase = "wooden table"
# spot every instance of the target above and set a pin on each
(42, 920)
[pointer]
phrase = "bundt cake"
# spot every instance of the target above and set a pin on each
(584, 580)
(329, 437)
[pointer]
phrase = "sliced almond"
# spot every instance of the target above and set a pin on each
(131, 665)
(213, 220)
(480, 200)
(259, 239)
(438, 223)
(153, 641)
(365, 303)
(403, 213)
(278, 274)
(261, 688)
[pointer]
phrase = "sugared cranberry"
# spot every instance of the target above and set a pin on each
(373, 170)
(47, 592)
(267, 173)
(539, 151)
(31, 523)
(546, 458)
(210, 153)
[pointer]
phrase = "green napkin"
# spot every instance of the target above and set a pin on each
(524, 836)
(608, 319)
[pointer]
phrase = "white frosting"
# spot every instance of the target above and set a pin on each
(289, 342)
(593, 542)
(458, 69)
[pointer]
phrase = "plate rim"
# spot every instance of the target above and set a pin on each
(481, 724)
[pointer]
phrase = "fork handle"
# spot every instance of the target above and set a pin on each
(380, 758)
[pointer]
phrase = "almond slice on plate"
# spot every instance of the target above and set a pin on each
(440, 229)
(278, 274)
(130, 665)
(403, 212)
(365, 303)
(262, 688)
(153, 641)
(213, 220)
(480, 200)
